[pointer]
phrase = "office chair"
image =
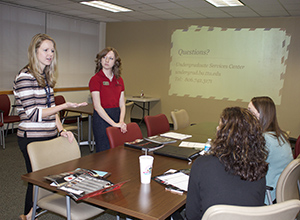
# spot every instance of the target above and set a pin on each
(297, 148)
(288, 182)
(67, 121)
(287, 210)
(129, 106)
(117, 138)
(2, 138)
(156, 124)
(5, 106)
(44, 154)
(180, 119)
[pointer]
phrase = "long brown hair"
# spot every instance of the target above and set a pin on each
(117, 66)
(240, 145)
(33, 64)
(267, 117)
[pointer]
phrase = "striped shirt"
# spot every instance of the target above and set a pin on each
(31, 99)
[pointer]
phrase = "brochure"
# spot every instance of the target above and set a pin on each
(83, 183)
(160, 139)
(62, 178)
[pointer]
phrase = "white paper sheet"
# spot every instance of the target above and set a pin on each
(175, 135)
(192, 144)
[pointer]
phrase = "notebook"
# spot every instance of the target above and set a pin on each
(178, 152)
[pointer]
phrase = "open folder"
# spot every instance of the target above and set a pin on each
(176, 181)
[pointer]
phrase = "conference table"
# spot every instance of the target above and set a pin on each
(142, 201)
(143, 100)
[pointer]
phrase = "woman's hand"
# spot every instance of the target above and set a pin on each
(75, 105)
(122, 126)
(68, 134)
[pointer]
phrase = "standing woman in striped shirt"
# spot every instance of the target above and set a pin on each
(33, 90)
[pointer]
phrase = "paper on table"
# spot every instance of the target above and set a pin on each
(192, 144)
(176, 135)
(179, 180)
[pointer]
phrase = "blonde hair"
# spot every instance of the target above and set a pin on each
(33, 62)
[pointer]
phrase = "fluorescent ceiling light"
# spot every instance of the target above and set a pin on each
(106, 6)
(225, 3)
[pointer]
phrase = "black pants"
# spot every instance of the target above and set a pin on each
(23, 142)
(99, 128)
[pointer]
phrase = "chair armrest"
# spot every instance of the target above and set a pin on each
(292, 140)
(75, 117)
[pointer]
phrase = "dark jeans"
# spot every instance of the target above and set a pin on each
(99, 128)
(23, 142)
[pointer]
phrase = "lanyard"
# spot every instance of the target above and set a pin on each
(47, 93)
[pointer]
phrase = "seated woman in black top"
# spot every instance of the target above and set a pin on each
(233, 171)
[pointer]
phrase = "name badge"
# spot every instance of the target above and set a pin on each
(105, 83)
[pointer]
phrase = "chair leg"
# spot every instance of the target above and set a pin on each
(6, 132)
(269, 197)
(81, 133)
(92, 146)
(68, 204)
(2, 139)
(78, 131)
(12, 131)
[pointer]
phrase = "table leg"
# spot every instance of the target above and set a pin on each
(148, 108)
(89, 142)
(36, 192)
(144, 108)
(90, 130)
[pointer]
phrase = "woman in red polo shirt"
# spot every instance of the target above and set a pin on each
(107, 89)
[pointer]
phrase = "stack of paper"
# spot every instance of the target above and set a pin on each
(175, 135)
(192, 144)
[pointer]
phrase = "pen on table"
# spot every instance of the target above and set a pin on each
(172, 190)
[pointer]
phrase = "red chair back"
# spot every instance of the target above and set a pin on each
(5, 107)
(5, 104)
(157, 124)
(297, 148)
(59, 99)
(117, 138)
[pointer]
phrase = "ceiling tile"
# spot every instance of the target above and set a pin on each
(164, 9)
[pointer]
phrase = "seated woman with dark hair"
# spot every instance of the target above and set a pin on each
(233, 171)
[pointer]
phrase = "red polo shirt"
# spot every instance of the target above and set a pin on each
(110, 91)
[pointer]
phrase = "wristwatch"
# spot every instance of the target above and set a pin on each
(63, 130)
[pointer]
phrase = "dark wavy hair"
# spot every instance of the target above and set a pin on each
(267, 117)
(116, 68)
(240, 145)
